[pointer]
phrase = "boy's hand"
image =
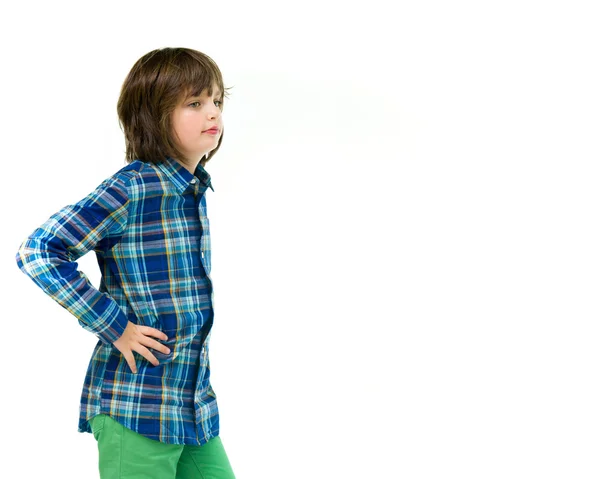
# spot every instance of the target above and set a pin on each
(136, 338)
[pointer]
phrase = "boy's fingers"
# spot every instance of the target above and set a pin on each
(144, 351)
(154, 344)
(154, 332)
(131, 362)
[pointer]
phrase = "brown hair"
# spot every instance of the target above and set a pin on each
(154, 86)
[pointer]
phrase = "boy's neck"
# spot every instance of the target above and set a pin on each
(190, 167)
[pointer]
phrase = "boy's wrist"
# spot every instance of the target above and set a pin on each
(113, 329)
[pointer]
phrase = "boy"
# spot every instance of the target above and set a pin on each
(154, 416)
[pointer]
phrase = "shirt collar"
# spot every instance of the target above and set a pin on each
(182, 178)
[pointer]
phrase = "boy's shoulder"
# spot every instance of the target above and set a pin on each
(126, 182)
(138, 180)
(130, 170)
(133, 172)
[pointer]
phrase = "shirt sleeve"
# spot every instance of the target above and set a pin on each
(48, 256)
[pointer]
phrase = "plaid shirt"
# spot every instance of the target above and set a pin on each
(149, 228)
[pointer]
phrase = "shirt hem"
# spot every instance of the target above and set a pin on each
(85, 427)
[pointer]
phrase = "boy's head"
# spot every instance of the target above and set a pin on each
(164, 99)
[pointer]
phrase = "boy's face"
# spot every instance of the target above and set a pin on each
(191, 119)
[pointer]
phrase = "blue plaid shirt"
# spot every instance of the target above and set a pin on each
(149, 228)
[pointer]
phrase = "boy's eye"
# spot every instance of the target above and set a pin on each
(198, 103)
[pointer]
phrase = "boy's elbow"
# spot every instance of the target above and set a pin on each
(30, 258)
(22, 257)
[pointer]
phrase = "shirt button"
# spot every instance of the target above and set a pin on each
(193, 181)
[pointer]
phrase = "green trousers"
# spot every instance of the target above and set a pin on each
(125, 454)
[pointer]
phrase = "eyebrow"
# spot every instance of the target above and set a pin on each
(194, 94)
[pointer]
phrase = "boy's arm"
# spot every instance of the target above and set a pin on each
(48, 256)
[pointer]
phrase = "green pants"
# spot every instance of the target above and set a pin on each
(125, 454)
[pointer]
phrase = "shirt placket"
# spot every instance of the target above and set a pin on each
(205, 256)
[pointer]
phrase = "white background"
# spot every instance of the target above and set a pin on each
(404, 228)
